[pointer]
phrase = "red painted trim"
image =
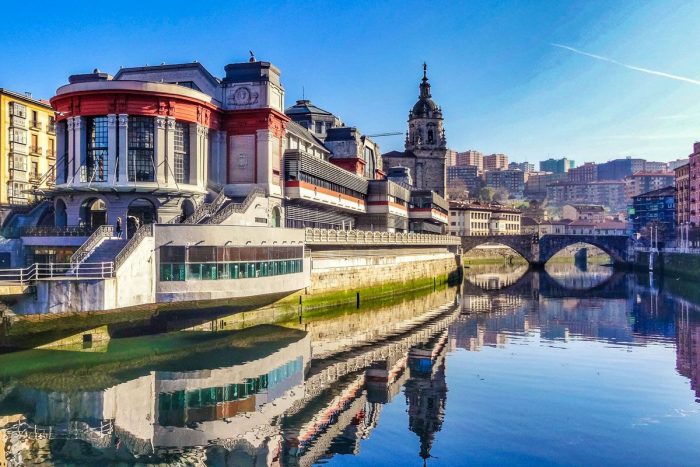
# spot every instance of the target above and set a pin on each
(133, 102)
(310, 186)
(386, 203)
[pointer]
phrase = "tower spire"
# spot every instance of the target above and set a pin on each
(424, 85)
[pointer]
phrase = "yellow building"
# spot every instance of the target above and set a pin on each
(27, 146)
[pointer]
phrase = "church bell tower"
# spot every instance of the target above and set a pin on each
(425, 125)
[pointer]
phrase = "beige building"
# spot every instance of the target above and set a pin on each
(27, 145)
(482, 219)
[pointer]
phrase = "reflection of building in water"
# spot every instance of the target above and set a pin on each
(345, 386)
(576, 278)
(487, 320)
(688, 344)
(426, 391)
(168, 415)
(358, 327)
(490, 303)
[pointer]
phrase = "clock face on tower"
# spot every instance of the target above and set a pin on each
(242, 96)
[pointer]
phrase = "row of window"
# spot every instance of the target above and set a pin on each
(140, 149)
(304, 177)
(170, 272)
(228, 254)
(204, 397)
(18, 114)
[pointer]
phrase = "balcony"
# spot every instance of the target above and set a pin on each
(18, 175)
(18, 148)
(35, 150)
(35, 125)
(51, 153)
(51, 128)
(18, 122)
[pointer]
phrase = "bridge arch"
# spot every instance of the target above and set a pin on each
(615, 246)
(521, 244)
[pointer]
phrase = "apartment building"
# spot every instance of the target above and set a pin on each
(27, 145)
(469, 219)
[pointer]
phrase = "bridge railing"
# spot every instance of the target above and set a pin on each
(368, 237)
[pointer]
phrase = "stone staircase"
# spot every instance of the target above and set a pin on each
(106, 251)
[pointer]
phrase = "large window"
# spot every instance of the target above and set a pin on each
(141, 157)
(178, 263)
(182, 152)
(97, 168)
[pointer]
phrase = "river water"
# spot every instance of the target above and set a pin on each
(565, 366)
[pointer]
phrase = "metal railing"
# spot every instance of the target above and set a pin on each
(206, 209)
(56, 231)
(144, 231)
(241, 207)
(50, 271)
(646, 249)
(366, 237)
(35, 124)
(102, 232)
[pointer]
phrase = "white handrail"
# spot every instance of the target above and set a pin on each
(50, 271)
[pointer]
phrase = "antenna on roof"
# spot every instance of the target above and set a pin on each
(303, 95)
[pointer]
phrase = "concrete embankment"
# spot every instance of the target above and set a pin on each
(338, 277)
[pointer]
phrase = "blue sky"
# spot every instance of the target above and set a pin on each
(503, 85)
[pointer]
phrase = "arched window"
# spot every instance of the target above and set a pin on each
(431, 136)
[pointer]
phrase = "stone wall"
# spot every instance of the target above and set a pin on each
(353, 270)
(672, 265)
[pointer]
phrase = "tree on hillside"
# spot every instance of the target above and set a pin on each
(486, 194)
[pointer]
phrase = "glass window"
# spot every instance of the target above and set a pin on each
(141, 144)
(182, 152)
(96, 160)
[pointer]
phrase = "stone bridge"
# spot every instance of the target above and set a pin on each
(537, 251)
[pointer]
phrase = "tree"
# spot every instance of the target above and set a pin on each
(486, 194)
(457, 190)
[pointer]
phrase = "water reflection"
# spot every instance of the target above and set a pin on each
(494, 277)
(324, 390)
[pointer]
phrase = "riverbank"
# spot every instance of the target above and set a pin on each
(78, 328)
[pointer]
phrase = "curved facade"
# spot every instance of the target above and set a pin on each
(130, 149)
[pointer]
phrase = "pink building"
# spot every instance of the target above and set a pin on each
(495, 162)
(471, 157)
(694, 161)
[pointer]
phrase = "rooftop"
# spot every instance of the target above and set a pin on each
(304, 106)
(26, 98)
(661, 192)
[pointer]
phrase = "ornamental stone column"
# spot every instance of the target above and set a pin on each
(159, 149)
(122, 153)
(199, 143)
(167, 160)
(112, 145)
